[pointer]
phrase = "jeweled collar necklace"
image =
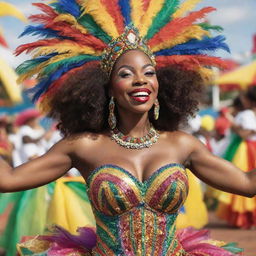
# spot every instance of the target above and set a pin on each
(135, 143)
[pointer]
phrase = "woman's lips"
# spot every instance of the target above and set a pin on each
(140, 95)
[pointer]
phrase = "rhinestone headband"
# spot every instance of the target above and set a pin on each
(129, 40)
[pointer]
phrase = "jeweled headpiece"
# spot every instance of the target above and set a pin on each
(78, 33)
(129, 40)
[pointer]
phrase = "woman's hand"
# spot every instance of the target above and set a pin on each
(218, 172)
(40, 171)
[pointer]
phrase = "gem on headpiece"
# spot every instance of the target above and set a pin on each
(129, 40)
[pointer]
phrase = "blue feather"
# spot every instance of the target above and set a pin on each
(68, 6)
(195, 46)
(43, 86)
(42, 31)
(126, 10)
(27, 65)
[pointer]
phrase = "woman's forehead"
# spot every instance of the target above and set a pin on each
(132, 58)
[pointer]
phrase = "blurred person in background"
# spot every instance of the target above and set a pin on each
(5, 144)
(223, 125)
(206, 131)
(32, 134)
(14, 138)
(241, 151)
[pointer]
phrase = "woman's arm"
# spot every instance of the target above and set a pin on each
(40, 171)
(218, 172)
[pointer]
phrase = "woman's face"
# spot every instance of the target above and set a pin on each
(133, 82)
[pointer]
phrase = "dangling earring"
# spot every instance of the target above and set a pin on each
(112, 117)
(156, 109)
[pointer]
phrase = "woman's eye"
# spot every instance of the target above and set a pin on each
(124, 75)
(150, 73)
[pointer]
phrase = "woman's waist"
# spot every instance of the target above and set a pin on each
(140, 231)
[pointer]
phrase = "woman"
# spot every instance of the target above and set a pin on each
(120, 121)
(236, 210)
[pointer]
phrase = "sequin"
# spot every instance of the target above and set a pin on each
(137, 218)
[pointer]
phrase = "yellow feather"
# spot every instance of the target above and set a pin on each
(186, 7)
(71, 20)
(65, 47)
(206, 74)
(136, 12)
(146, 20)
(101, 16)
(193, 32)
(7, 9)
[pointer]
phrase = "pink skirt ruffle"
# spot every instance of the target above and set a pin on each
(62, 243)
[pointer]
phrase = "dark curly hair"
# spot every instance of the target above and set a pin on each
(82, 103)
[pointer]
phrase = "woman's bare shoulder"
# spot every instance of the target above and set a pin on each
(178, 136)
(182, 140)
(82, 140)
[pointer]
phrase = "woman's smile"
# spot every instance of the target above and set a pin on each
(140, 95)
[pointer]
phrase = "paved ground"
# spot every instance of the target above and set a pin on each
(220, 231)
(245, 238)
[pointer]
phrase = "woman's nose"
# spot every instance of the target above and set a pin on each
(139, 80)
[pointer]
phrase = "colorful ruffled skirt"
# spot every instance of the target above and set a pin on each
(62, 243)
(237, 210)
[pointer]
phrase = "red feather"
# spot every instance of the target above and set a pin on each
(42, 18)
(146, 4)
(113, 9)
(177, 26)
(3, 42)
(27, 48)
(45, 8)
(190, 61)
(57, 84)
(65, 29)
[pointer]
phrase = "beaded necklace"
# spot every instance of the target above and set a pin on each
(135, 143)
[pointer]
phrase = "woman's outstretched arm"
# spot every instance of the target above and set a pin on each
(40, 171)
(218, 172)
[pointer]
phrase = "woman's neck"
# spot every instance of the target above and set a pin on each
(134, 125)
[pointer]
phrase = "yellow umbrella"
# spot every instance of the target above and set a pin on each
(7, 9)
(8, 79)
(242, 76)
(9, 89)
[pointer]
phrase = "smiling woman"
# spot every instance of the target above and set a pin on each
(120, 77)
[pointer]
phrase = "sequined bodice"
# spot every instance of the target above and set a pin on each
(133, 217)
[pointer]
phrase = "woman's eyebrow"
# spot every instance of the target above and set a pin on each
(147, 65)
(132, 68)
(126, 66)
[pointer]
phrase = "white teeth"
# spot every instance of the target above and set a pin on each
(140, 94)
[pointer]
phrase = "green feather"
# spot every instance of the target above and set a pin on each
(208, 26)
(232, 247)
(89, 23)
(163, 17)
(56, 65)
(27, 65)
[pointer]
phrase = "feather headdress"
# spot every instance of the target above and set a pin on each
(77, 33)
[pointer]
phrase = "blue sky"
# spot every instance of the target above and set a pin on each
(237, 17)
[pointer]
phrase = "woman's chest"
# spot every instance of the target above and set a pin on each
(113, 190)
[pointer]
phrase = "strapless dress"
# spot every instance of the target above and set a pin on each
(136, 218)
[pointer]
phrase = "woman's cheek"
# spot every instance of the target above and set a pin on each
(121, 84)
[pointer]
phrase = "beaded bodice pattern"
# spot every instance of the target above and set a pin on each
(137, 218)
